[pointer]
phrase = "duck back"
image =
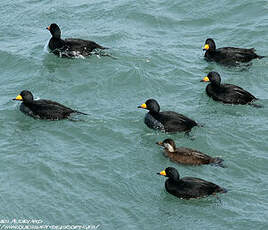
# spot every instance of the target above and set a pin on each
(230, 94)
(232, 55)
(46, 109)
(189, 156)
(175, 122)
(190, 187)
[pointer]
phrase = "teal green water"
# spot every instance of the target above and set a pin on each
(101, 169)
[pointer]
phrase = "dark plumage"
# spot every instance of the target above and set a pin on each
(43, 109)
(187, 156)
(70, 47)
(226, 93)
(188, 187)
(228, 55)
(165, 121)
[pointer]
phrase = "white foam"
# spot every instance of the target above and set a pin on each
(46, 49)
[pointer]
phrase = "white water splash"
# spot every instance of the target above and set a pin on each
(46, 49)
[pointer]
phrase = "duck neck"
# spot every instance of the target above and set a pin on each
(153, 112)
(56, 39)
(169, 148)
(27, 103)
(217, 87)
(55, 43)
(57, 34)
(210, 53)
(177, 180)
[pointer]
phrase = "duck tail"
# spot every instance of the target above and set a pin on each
(260, 57)
(108, 55)
(78, 112)
(256, 105)
(218, 162)
(222, 190)
(102, 47)
(200, 125)
(103, 53)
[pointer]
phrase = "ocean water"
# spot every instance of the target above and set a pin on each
(100, 170)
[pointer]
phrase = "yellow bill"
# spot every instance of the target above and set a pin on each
(143, 106)
(206, 47)
(159, 143)
(19, 98)
(206, 79)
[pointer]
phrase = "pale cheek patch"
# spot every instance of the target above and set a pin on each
(169, 147)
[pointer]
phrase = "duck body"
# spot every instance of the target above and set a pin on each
(43, 109)
(153, 123)
(46, 109)
(231, 55)
(229, 94)
(187, 156)
(70, 47)
(188, 187)
(226, 93)
(191, 187)
(167, 121)
(228, 55)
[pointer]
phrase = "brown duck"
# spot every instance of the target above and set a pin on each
(187, 156)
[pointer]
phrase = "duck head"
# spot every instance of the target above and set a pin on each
(151, 105)
(168, 144)
(209, 45)
(214, 78)
(170, 172)
(54, 30)
(25, 96)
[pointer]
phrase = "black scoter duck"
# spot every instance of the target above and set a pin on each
(226, 93)
(43, 109)
(188, 187)
(187, 156)
(70, 47)
(167, 121)
(228, 55)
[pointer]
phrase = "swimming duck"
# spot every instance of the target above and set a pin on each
(167, 121)
(43, 109)
(228, 55)
(70, 47)
(187, 156)
(188, 187)
(226, 93)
